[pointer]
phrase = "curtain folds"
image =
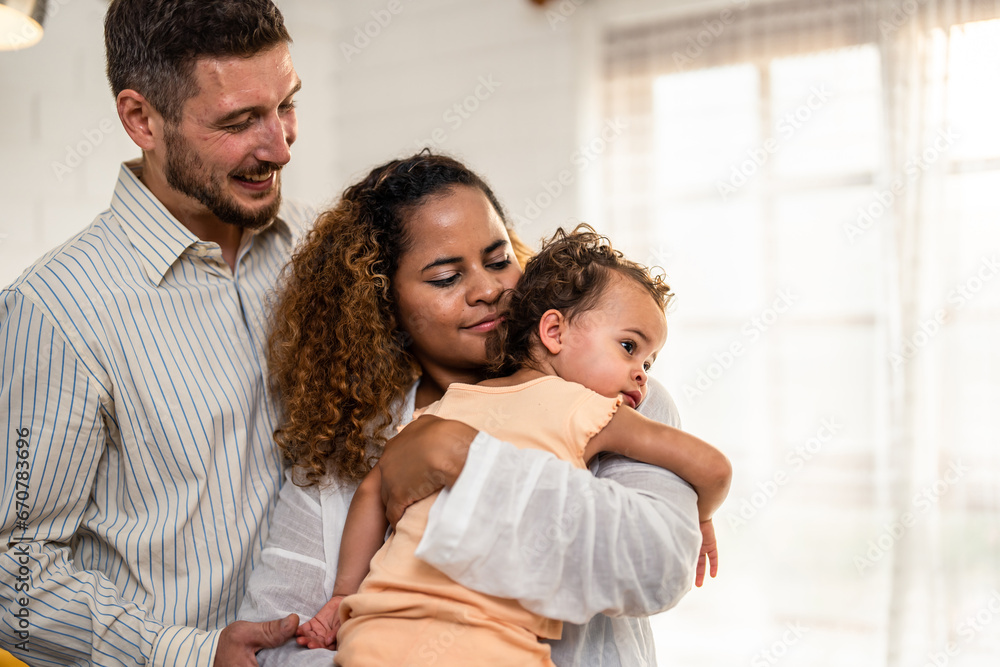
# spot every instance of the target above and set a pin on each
(930, 454)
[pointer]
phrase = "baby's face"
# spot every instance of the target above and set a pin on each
(610, 348)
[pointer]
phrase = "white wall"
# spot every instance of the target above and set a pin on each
(492, 79)
(61, 140)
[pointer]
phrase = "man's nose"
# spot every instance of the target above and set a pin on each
(278, 135)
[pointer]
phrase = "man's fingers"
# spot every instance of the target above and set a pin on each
(240, 640)
(272, 634)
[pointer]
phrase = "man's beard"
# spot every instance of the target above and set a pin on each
(185, 173)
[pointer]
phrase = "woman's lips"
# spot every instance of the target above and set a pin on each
(484, 326)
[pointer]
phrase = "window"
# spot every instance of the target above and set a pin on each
(819, 182)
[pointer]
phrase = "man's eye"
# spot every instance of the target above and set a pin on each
(629, 346)
(239, 127)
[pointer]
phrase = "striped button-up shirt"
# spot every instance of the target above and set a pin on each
(140, 471)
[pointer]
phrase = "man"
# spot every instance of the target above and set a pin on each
(141, 472)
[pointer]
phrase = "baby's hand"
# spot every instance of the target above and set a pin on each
(321, 630)
(709, 553)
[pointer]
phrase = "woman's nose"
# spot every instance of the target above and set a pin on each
(484, 288)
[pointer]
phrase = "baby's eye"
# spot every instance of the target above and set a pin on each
(629, 346)
(646, 366)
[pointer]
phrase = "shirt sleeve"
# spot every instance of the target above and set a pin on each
(52, 412)
(563, 542)
(293, 575)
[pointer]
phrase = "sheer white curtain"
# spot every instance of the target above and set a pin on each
(820, 181)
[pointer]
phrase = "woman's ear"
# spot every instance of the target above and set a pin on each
(551, 328)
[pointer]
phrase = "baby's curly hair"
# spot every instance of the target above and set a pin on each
(568, 274)
(338, 358)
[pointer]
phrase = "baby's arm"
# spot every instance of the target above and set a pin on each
(364, 532)
(697, 462)
(700, 464)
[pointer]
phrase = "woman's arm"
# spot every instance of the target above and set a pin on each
(578, 545)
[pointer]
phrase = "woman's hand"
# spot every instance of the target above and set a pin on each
(426, 456)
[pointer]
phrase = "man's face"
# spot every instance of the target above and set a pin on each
(233, 138)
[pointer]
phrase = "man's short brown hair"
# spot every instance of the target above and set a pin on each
(152, 45)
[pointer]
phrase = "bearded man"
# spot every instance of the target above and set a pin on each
(142, 472)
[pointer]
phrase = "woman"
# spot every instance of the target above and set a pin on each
(388, 302)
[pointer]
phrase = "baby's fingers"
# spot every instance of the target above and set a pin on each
(713, 559)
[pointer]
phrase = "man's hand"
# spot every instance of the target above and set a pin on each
(426, 455)
(239, 641)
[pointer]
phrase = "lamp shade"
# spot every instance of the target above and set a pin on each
(20, 23)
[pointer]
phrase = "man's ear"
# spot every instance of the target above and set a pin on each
(141, 121)
(551, 328)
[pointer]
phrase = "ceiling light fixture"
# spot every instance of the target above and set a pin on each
(20, 23)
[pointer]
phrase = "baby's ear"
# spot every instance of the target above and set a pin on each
(550, 330)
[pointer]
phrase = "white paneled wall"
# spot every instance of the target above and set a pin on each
(490, 82)
(59, 135)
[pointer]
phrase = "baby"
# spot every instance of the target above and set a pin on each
(580, 332)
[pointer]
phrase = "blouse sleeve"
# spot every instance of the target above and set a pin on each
(292, 572)
(572, 544)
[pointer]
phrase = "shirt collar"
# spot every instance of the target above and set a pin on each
(157, 236)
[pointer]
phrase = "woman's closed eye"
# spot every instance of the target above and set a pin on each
(446, 281)
(499, 265)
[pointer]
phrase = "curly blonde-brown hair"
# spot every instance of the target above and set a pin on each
(338, 358)
(568, 274)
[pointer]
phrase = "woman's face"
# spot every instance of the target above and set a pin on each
(448, 282)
